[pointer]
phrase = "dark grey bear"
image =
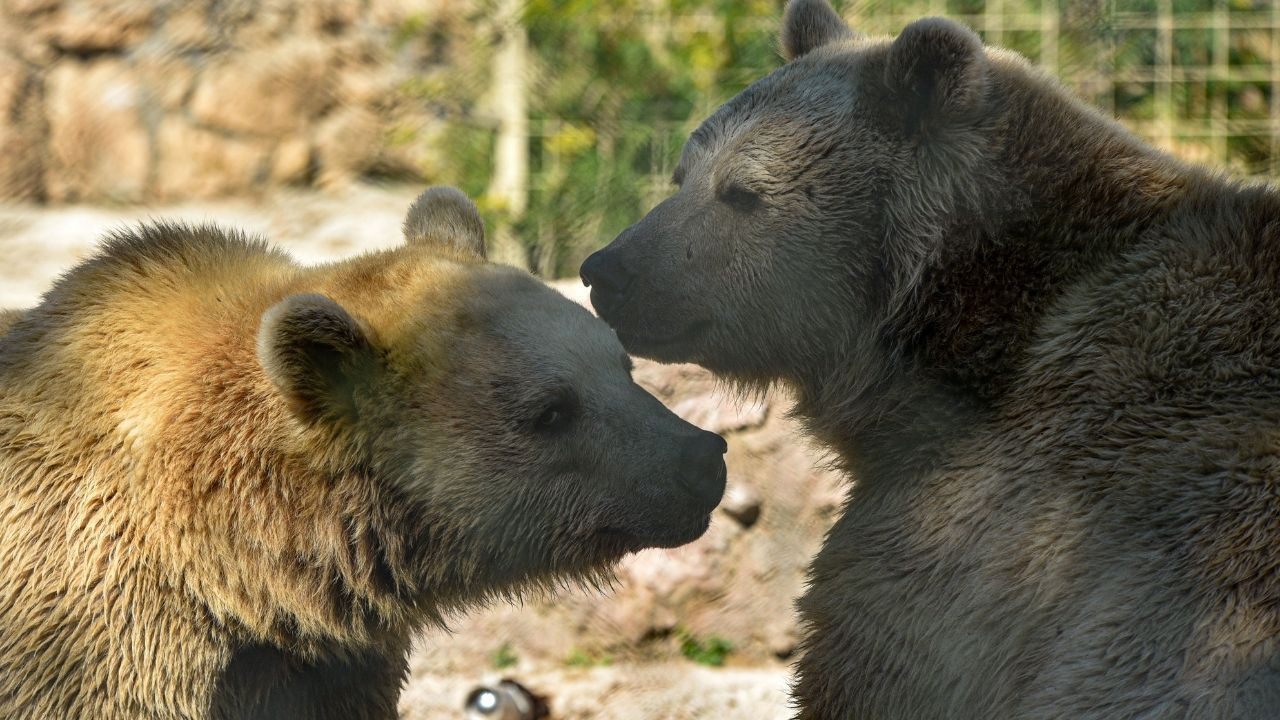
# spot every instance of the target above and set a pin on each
(1049, 354)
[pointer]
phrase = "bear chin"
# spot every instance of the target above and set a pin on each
(615, 541)
(677, 347)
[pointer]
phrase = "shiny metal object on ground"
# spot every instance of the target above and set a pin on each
(507, 700)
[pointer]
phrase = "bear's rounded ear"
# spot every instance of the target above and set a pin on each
(445, 217)
(316, 355)
(939, 70)
(810, 24)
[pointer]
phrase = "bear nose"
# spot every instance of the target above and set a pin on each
(608, 279)
(702, 458)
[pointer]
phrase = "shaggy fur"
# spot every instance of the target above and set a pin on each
(232, 487)
(8, 318)
(1047, 352)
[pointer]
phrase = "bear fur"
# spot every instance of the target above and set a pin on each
(8, 318)
(234, 487)
(1048, 353)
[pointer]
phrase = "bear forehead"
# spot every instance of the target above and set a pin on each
(432, 304)
(801, 99)
(510, 305)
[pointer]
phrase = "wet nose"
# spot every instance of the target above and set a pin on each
(704, 469)
(608, 279)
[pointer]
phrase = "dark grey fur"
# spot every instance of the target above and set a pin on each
(1049, 354)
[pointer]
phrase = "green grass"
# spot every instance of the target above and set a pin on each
(710, 651)
(580, 658)
(504, 657)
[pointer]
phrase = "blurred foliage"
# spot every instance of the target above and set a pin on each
(616, 87)
(712, 650)
(504, 657)
(580, 658)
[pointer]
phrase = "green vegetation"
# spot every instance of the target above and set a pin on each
(711, 650)
(504, 657)
(615, 87)
(580, 658)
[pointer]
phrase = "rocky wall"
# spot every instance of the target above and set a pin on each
(155, 100)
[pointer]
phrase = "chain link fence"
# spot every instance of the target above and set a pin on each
(1199, 78)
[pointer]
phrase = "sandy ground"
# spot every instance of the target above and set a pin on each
(37, 244)
(659, 691)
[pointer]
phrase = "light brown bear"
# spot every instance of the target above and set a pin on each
(1048, 353)
(233, 487)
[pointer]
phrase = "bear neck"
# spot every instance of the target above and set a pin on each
(1055, 193)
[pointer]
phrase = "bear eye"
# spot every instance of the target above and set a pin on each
(555, 417)
(740, 198)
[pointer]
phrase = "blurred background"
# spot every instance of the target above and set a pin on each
(315, 122)
(564, 117)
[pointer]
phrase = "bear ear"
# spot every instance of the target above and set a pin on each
(939, 70)
(810, 24)
(316, 355)
(445, 217)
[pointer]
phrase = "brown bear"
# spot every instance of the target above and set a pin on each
(1048, 353)
(233, 487)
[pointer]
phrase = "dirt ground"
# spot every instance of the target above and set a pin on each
(638, 652)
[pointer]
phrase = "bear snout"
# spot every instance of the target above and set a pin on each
(703, 470)
(609, 280)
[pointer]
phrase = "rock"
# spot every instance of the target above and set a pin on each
(252, 23)
(23, 134)
(166, 78)
(695, 395)
(327, 16)
(292, 162)
(99, 148)
(87, 26)
(721, 413)
(197, 163)
(347, 144)
(187, 27)
(21, 8)
(742, 503)
(274, 91)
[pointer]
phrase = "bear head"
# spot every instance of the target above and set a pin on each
(807, 196)
(503, 414)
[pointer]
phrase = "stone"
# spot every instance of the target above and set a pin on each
(274, 91)
(742, 503)
(701, 399)
(348, 142)
(98, 145)
(23, 135)
(291, 163)
(187, 27)
(166, 78)
(87, 26)
(198, 163)
(328, 16)
(21, 8)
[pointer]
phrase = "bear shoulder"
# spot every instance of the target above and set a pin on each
(7, 319)
(160, 248)
(154, 260)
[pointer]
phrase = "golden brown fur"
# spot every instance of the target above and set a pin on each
(8, 318)
(135, 377)
(180, 538)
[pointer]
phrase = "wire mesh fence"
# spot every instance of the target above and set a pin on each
(1199, 78)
